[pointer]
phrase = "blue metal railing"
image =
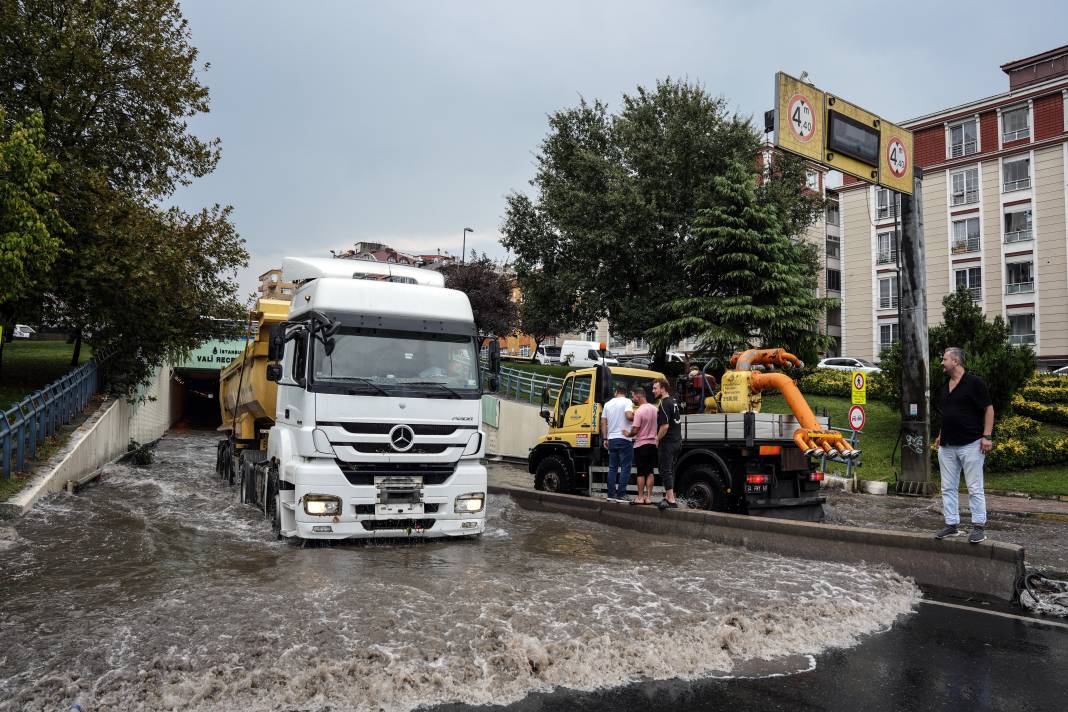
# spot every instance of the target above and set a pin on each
(39, 415)
(527, 386)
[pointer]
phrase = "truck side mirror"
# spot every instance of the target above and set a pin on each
(494, 356)
(274, 372)
(545, 414)
(276, 344)
(493, 383)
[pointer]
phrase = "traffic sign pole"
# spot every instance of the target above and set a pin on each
(915, 359)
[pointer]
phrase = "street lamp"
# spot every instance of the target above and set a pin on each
(463, 250)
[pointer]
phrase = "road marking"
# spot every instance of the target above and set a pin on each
(1026, 619)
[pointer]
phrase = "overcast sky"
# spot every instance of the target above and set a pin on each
(404, 122)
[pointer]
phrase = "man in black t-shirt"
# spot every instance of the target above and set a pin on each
(966, 437)
(668, 440)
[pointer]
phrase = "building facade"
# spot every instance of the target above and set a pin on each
(995, 197)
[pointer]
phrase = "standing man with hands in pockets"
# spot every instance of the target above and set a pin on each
(967, 436)
(615, 426)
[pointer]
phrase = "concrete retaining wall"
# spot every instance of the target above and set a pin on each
(988, 570)
(101, 439)
(518, 427)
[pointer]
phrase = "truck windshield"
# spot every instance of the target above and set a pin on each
(397, 363)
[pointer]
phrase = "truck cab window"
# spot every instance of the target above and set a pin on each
(300, 357)
(580, 393)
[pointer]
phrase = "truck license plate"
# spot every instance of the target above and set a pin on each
(403, 508)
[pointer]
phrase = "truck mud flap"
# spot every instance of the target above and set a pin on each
(800, 510)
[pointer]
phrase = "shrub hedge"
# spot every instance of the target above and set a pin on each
(1049, 413)
(1017, 453)
(828, 382)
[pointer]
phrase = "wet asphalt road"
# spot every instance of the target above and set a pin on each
(938, 659)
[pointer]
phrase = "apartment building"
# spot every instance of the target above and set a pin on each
(995, 196)
(273, 286)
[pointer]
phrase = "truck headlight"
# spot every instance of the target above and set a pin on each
(322, 505)
(470, 503)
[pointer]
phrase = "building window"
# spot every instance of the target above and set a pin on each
(888, 334)
(887, 253)
(1019, 278)
(1022, 328)
(834, 247)
(591, 335)
(812, 180)
(833, 214)
(965, 236)
(965, 186)
(834, 280)
(1018, 226)
(834, 317)
(286, 290)
(962, 139)
(884, 204)
(971, 278)
(1017, 174)
(1015, 124)
(888, 293)
(524, 350)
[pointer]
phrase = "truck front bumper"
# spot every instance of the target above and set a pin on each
(363, 517)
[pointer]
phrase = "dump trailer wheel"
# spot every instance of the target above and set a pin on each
(704, 489)
(553, 475)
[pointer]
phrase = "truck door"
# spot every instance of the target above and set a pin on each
(575, 410)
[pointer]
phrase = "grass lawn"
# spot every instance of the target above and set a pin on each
(28, 365)
(880, 435)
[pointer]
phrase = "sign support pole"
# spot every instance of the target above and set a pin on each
(915, 359)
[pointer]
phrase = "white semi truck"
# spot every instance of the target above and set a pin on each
(357, 414)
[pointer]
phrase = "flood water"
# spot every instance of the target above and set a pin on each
(154, 590)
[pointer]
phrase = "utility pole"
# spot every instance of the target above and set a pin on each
(915, 359)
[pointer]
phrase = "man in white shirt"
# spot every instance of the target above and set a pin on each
(615, 421)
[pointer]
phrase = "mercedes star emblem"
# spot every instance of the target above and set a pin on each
(402, 438)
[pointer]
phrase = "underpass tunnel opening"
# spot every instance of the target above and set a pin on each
(196, 395)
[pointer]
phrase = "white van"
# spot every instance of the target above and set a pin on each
(22, 331)
(547, 355)
(586, 353)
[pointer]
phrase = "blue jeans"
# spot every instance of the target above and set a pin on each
(620, 457)
(951, 460)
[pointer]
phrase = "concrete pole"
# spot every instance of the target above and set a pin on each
(915, 359)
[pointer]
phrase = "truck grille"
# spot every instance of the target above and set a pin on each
(384, 428)
(363, 473)
(380, 448)
(376, 525)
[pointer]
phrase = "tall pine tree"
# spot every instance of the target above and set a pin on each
(751, 283)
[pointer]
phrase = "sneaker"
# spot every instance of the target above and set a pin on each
(624, 500)
(664, 504)
(978, 534)
(950, 531)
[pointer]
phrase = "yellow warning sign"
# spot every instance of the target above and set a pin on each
(860, 388)
(799, 117)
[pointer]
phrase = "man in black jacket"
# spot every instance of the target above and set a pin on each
(967, 436)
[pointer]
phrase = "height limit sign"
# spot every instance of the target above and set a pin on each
(856, 417)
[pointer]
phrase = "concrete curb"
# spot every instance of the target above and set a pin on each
(953, 566)
(53, 475)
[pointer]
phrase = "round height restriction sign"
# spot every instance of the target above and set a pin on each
(802, 118)
(896, 157)
(856, 417)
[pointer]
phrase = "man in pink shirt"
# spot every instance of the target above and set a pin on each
(644, 434)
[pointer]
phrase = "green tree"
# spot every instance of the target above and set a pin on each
(490, 293)
(617, 195)
(115, 84)
(751, 284)
(989, 354)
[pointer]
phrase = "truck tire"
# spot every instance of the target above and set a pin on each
(553, 475)
(704, 489)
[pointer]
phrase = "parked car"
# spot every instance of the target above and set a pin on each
(586, 353)
(547, 355)
(647, 361)
(848, 363)
(22, 331)
(1062, 371)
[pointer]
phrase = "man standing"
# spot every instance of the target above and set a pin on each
(615, 420)
(644, 434)
(668, 440)
(966, 438)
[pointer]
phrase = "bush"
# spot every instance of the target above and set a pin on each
(1048, 413)
(1017, 453)
(140, 455)
(1016, 426)
(1043, 393)
(828, 382)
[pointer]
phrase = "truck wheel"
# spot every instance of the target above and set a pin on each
(553, 475)
(704, 489)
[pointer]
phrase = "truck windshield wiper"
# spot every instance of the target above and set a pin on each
(361, 379)
(431, 383)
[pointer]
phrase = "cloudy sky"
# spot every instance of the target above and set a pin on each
(404, 122)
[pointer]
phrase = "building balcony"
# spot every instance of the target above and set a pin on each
(1019, 339)
(962, 149)
(1021, 184)
(961, 246)
(886, 258)
(1020, 288)
(1019, 235)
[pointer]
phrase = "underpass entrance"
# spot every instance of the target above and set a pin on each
(196, 396)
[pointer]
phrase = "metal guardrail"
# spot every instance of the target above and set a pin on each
(39, 415)
(527, 385)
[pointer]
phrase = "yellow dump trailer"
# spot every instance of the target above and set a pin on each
(246, 397)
